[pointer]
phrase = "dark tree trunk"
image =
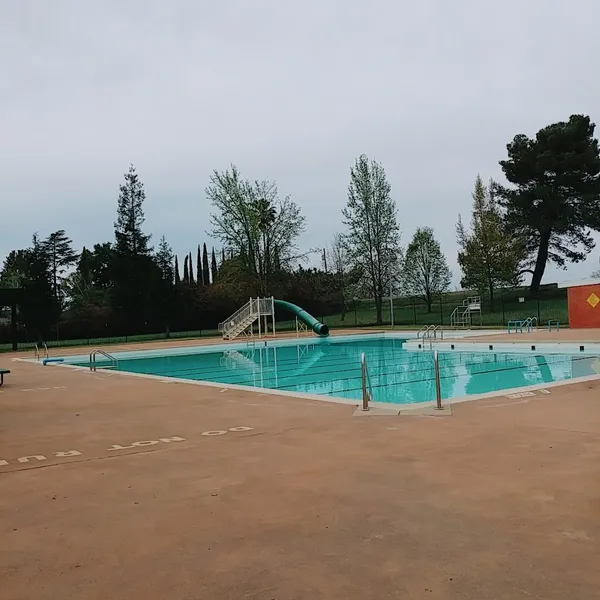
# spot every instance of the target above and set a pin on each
(379, 309)
(540, 263)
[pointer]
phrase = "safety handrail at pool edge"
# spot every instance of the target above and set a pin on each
(37, 351)
(93, 353)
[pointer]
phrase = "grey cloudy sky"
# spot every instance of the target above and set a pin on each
(291, 91)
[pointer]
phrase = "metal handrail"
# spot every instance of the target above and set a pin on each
(93, 353)
(422, 330)
(37, 352)
(529, 322)
(427, 330)
(367, 388)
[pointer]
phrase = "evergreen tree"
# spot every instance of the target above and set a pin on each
(199, 274)
(177, 275)
(164, 260)
(186, 272)
(166, 296)
(554, 203)
(222, 255)
(135, 272)
(130, 217)
(488, 257)
(38, 309)
(191, 270)
(205, 266)
(14, 268)
(213, 266)
(59, 250)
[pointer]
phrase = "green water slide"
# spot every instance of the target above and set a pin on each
(318, 327)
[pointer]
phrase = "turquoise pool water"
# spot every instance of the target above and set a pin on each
(332, 368)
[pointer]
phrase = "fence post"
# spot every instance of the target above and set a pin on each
(538, 310)
(503, 315)
(415, 310)
(441, 310)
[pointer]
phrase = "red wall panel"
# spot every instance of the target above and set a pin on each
(584, 306)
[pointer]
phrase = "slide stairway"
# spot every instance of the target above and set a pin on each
(242, 321)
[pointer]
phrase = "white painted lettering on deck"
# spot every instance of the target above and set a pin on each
(25, 459)
(65, 454)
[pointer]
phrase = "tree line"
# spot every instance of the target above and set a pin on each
(544, 213)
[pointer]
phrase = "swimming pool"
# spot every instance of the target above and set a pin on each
(331, 367)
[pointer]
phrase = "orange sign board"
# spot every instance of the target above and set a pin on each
(584, 306)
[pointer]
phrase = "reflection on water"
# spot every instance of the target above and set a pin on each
(330, 367)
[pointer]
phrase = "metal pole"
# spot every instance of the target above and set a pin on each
(438, 391)
(363, 370)
(391, 306)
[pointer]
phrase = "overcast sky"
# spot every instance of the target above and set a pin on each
(290, 91)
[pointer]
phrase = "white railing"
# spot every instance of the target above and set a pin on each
(237, 316)
(240, 320)
(462, 315)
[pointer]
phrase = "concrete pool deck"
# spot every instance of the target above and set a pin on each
(124, 487)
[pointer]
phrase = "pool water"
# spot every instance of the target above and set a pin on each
(332, 368)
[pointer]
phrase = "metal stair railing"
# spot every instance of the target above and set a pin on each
(93, 353)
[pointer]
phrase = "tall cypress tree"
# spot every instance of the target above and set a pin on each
(186, 273)
(177, 275)
(222, 255)
(205, 265)
(192, 282)
(199, 273)
(213, 266)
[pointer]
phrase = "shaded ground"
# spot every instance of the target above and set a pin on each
(300, 500)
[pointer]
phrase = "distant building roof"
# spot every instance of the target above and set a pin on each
(579, 283)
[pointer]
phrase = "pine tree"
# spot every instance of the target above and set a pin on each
(489, 258)
(199, 274)
(177, 275)
(59, 250)
(135, 273)
(191, 271)
(205, 266)
(38, 309)
(164, 260)
(213, 266)
(130, 217)
(186, 273)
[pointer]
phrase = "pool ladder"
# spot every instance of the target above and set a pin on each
(114, 362)
(429, 331)
(38, 351)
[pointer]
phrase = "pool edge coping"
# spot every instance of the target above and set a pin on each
(402, 408)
